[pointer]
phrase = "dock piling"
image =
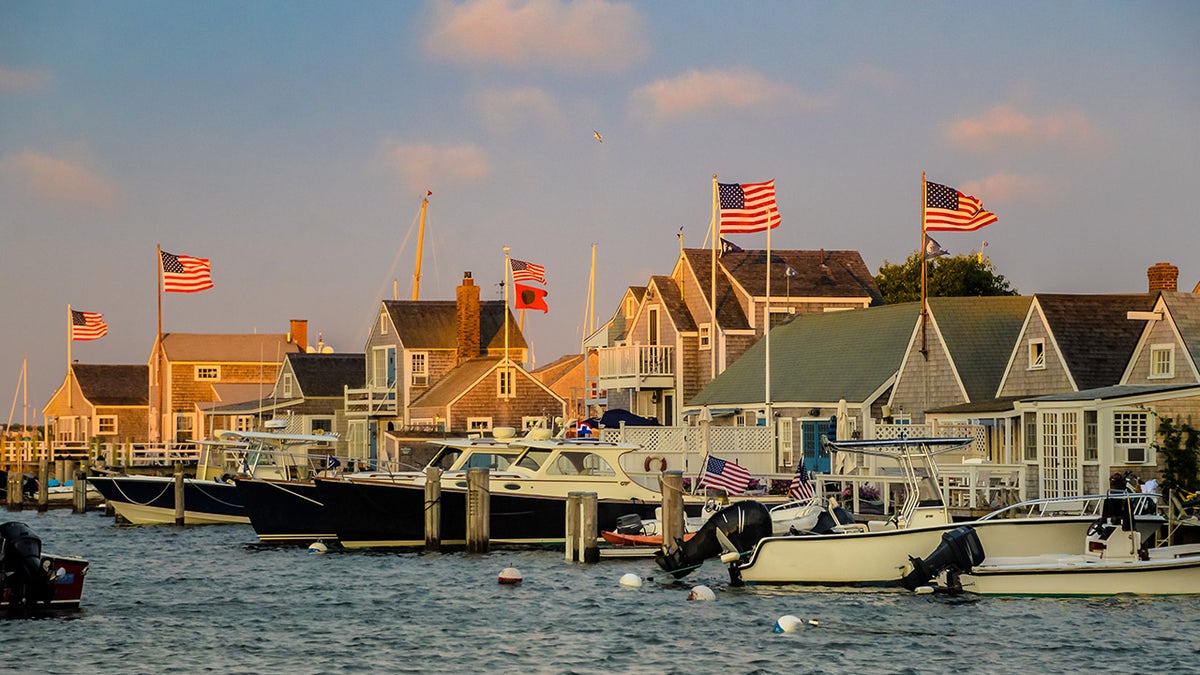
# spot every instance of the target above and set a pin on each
(179, 506)
(672, 510)
(478, 509)
(433, 508)
(43, 492)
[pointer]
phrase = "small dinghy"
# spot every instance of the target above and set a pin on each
(30, 580)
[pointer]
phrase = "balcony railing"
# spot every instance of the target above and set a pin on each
(651, 366)
(370, 401)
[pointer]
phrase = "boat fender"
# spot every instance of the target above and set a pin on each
(510, 575)
(657, 464)
(631, 580)
(701, 593)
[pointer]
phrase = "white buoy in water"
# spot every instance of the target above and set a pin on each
(701, 593)
(317, 547)
(788, 623)
(510, 575)
(923, 590)
(631, 580)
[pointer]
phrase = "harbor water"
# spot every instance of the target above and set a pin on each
(210, 599)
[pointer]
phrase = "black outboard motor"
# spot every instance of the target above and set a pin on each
(21, 566)
(959, 551)
(630, 523)
(742, 524)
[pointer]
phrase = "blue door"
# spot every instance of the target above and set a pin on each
(815, 457)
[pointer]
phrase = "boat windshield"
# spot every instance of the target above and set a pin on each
(533, 459)
(580, 463)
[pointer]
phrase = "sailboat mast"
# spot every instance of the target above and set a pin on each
(420, 245)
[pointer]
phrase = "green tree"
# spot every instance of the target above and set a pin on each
(959, 275)
(1180, 447)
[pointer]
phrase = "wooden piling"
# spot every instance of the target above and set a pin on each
(179, 506)
(589, 507)
(16, 483)
(478, 509)
(43, 493)
(572, 526)
(433, 508)
(79, 492)
(60, 471)
(672, 510)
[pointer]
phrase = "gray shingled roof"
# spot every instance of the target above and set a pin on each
(113, 384)
(979, 333)
(1185, 311)
(836, 274)
(455, 382)
(730, 315)
(218, 348)
(1093, 333)
(820, 357)
(432, 324)
(327, 375)
(1115, 391)
(677, 309)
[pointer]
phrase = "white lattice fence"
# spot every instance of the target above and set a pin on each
(975, 431)
(683, 447)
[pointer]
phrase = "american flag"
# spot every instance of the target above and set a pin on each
(723, 474)
(527, 271)
(801, 486)
(747, 207)
(87, 325)
(947, 209)
(185, 274)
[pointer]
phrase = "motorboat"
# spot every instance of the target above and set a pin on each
(878, 552)
(31, 580)
(1114, 558)
(212, 496)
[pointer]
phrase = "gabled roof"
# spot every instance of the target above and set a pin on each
(1113, 392)
(1093, 333)
(327, 375)
(433, 324)
(1185, 312)
(217, 348)
(835, 274)
(671, 299)
(113, 384)
(820, 357)
(730, 315)
(555, 370)
(458, 380)
(979, 333)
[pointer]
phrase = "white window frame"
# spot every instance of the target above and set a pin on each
(479, 424)
(1131, 435)
(504, 383)
(418, 368)
(287, 385)
(1037, 354)
(315, 430)
(1162, 361)
(208, 373)
(705, 336)
(630, 307)
(109, 421)
(383, 323)
(243, 423)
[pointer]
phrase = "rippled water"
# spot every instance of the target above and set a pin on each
(164, 599)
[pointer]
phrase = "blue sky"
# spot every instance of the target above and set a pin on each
(291, 144)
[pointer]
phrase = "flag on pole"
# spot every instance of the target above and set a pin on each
(947, 209)
(530, 297)
(87, 325)
(933, 249)
(527, 271)
(185, 274)
(747, 207)
(724, 474)
(801, 486)
(729, 247)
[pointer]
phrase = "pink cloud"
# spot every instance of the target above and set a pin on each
(1007, 187)
(715, 90)
(21, 80)
(1004, 126)
(59, 181)
(585, 36)
(426, 166)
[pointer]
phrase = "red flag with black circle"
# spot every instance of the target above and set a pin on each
(529, 297)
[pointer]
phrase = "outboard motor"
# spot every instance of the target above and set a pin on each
(740, 525)
(630, 523)
(21, 566)
(959, 551)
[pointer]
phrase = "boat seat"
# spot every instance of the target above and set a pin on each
(880, 525)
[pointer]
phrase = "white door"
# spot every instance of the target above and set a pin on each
(1061, 474)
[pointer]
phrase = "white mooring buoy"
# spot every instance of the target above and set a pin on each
(788, 623)
(701, 593)
(631, 580)
(317, 547)
(510, 575)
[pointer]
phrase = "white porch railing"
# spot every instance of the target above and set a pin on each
(636, 365)
(369, 401)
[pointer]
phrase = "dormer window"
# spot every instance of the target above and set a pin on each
(705, 335)
(1037, 354)
(1162, 361)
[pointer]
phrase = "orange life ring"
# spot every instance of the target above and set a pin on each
(661, 462)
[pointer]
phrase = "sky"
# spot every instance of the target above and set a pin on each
(291, 143)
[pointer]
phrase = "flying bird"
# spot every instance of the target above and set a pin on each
(598, 136)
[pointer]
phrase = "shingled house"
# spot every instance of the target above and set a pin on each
(108, 402)
(677, 335)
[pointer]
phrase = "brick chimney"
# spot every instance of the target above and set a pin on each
(467, 319)
(1163, 277)
(298, 334)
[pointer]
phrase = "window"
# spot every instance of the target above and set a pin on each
(322, 425)
(479, 423)
(1091, 451)
(1037, 354)
(287, 385)
(383, 367)
(779, 316)
(1030, 424)
(630, 307)
(652, 326)
(383, 323)
(1131, 436)
(208, 373)
(504, 383)
(1162, 361)
(417, 363)
(705, 335)
(243, 423)
(106, 425)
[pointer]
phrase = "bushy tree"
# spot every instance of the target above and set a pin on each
(1180, 447)
(959, 275)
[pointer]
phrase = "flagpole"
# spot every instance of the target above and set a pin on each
(921, 254)
(158, 432)
(507, 270)
(70, 337)
(714, 227)
(767, 323)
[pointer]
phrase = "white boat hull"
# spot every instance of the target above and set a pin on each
(878, 558)
(1163, 574)
(140, 514)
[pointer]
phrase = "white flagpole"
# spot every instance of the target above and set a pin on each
(507, 271)
(714, 226)
(70, 338)
(767, 324)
